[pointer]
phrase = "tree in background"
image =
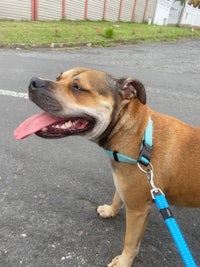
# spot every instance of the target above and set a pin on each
(195, 3)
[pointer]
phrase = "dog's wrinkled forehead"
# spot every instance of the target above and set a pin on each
(71, 73)
(90, 79)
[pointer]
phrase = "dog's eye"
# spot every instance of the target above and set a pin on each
(76, 88)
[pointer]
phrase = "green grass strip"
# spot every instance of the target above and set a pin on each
(77, 33)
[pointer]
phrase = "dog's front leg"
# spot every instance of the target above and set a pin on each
(136, 221)
(108, 211)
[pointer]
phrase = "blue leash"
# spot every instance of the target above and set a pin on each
(170, 221)
(175, 231)
(157, 194)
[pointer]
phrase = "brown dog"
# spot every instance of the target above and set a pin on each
(112, 113)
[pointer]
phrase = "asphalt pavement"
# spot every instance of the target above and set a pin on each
(49, 189)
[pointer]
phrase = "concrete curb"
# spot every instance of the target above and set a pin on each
(107, 43)
(24, 46)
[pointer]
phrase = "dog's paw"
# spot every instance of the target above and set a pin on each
(120, 261)
(106, 211)
(114, 262)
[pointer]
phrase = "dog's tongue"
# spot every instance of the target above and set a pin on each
(34, 124)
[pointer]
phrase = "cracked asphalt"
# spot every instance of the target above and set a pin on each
(49, 189)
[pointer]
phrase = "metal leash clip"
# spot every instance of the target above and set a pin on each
(150, 177)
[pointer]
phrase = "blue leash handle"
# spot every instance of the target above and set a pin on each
(175, 231)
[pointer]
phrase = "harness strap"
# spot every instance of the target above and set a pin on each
(145, 152)
(120, 157)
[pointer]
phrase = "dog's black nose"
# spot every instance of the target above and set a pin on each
(36, 83)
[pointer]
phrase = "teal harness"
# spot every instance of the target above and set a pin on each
(145, 152)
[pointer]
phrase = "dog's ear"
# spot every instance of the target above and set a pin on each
(132, 88)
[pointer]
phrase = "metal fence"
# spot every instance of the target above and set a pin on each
(160, 12)
(111, 10)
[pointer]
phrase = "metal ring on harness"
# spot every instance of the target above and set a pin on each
(147, 170)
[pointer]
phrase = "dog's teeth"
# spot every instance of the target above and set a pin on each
(68, 124)
(63, 127)
(44, 129)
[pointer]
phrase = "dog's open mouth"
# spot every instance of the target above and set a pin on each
(66, 127)
(48, 126)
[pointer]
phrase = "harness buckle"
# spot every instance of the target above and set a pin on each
(145, 154)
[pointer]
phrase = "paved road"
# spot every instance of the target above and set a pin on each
(49, 190)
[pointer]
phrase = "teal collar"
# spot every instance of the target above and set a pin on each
(145, 152)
